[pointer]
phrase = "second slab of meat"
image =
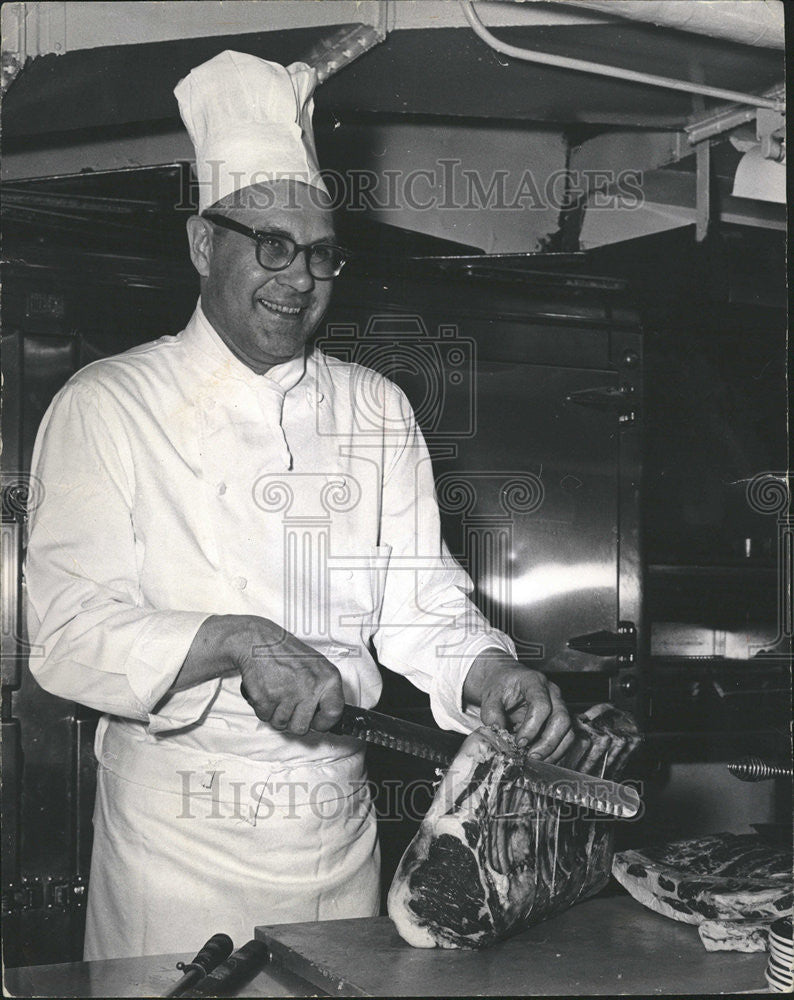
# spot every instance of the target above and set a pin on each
(493, 856)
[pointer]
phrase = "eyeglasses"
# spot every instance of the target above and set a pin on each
(275, 252)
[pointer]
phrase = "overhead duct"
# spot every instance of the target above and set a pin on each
(752, 22)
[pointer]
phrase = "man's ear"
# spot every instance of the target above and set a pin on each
(199, 236)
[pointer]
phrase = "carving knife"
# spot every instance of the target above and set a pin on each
(440, 746)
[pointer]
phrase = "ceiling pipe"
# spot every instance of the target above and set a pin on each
(751, 22)
(615, 72)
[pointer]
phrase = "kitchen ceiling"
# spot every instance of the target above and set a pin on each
(56, 118)
(443, 71)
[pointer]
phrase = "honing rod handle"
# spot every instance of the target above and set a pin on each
(239, 968)
(215, 951)
(757, 769)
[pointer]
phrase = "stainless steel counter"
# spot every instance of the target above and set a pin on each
(602, 947)
(149, 976)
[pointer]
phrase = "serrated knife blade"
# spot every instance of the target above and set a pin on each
(440, 747)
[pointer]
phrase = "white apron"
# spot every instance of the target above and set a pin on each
(297, 843)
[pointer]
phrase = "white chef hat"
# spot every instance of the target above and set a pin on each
(250, 122)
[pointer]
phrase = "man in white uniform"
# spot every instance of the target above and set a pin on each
(229, 506)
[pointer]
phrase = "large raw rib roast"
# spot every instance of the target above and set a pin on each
(493, 856)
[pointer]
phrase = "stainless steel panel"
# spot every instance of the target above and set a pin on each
(538, 530)
(530, 401)
(13, 645)
(48, 778)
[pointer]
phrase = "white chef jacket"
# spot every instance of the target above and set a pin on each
(179, 484)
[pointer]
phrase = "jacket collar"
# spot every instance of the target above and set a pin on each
(201, 334)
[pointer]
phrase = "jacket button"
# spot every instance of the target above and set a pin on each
(221, 489)
(240, 582)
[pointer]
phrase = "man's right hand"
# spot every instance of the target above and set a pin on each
(287, 683)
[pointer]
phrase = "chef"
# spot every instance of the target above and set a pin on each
(232, 521)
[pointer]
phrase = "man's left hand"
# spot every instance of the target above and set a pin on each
(521, 700)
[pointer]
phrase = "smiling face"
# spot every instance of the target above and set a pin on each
(264, 317)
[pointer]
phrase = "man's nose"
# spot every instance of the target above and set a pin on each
(298, 275)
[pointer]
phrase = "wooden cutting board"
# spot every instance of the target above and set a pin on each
(601, 947)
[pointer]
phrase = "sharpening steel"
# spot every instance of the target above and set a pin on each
(441, 747)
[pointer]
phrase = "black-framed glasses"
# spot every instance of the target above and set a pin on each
(275, 251)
